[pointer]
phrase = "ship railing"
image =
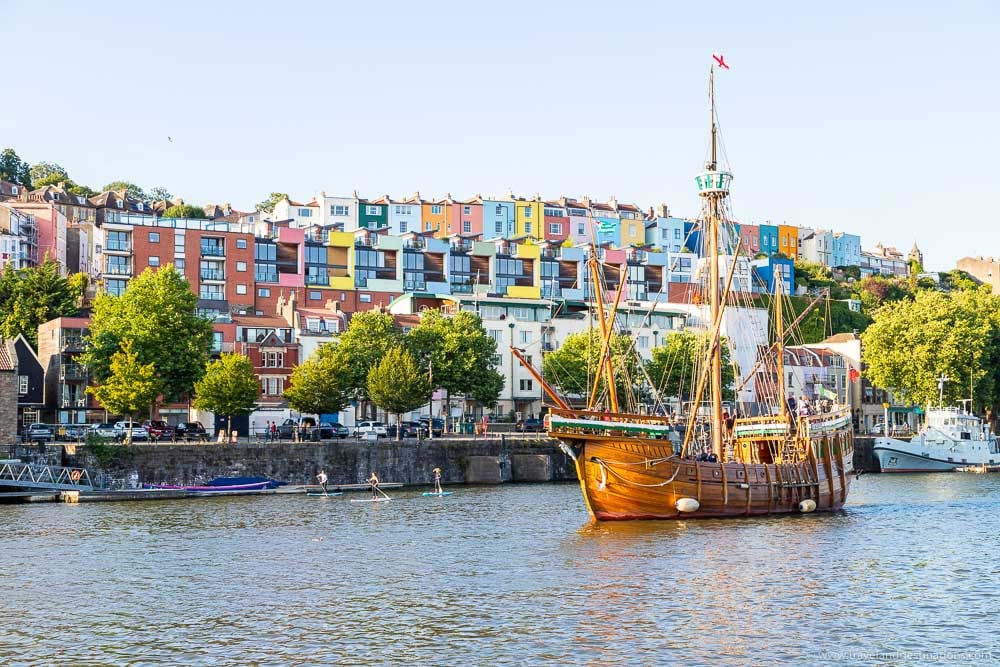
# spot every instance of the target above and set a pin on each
(607, 423)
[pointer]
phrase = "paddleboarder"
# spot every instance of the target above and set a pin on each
(322, 480)
(373, 483)
(437, 480)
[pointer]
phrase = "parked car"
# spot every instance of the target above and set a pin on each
(191, 431)
(103, 430)
(364, 428)
(158, 429)
(410, 429)
(438, 427)
(137, 431)
(530, 426)
(39, 433)
(70, 431)
(333, 430)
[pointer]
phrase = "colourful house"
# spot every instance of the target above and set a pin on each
(632, 225)
(529, 218)
(580, 222)
(750, 239)
(373, 214)
(434, 217)
(846, 249)
(607, 223)
(556, 221)
(769, 239)
(405, 215)
(692, 237)
(498, 219)
(465, 217)
(788, 241)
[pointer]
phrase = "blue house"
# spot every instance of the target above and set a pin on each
(498, 219)
(769, 239)
(846, 249)
(765, 271)
(666, 233)
(692, 237)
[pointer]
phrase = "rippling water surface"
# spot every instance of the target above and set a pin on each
(908, 573)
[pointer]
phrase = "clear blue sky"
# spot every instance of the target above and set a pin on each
(877, 119)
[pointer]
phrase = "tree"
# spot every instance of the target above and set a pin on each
(49, 172)
(368, 337)
(317, 385)
(267, 206)
(13, 169)
(159, 193)
(874, 291)
(574, 365)
(184, 211)
(34, 295)
(460, 353)
(80, 190)
(129, 386)
(158, 312)
(397, 384)
(229, 387)
(913, 342)
(675, 365)
(131, 190)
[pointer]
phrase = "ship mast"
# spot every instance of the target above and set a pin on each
(779, 329)
(713, 186)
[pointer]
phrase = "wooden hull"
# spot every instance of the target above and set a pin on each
(635, 478)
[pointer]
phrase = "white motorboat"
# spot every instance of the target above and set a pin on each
(951, 438)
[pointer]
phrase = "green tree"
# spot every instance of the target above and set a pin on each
(674, 366)
(13, 169)
(913, 342)
(80, 190)
(573, 366)
(159, 193)
(129, 386)
(267, 206)
(317, 385)
(229, 387)
(875, 291)
(460, 354)
(34, 295)
(367, 338)
(131, 190)
(158, 312)
(184, 211)
(397, 384)
(49, 172)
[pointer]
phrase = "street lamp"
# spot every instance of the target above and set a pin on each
(510, 325)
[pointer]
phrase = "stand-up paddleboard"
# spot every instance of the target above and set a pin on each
(435, 493)
(370, 500)
(325, 495)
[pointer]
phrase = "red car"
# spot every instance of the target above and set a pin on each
(158, 429)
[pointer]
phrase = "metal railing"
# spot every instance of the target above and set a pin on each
(52, 478)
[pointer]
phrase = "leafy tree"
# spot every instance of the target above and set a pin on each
(267, 206)
(874, 291)
(573, 366)
(129, 386)
(184, 211)
(80, 190)
(958, 280)
(459, 355)
(51, 179)
(367, 338)
(229, 387)
(317, 385)
(49, 172)
(13, 169)
(913, 342)
(131, 190)
(397, 384)
(34, 295)
(673, 366)
(159, 193)
(158, 312)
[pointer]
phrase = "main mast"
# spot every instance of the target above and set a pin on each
(713, 187)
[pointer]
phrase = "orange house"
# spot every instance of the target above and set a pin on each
(434, 215)
(788, 241)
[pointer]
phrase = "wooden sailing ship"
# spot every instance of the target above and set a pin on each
(768, 461)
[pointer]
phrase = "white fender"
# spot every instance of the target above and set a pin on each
(687, 505)
(807, 505)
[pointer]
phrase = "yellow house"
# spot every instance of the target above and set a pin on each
(633, 225)
(788, 241)
(529, 218)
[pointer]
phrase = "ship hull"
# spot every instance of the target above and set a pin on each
(895, 459)
(624, 480)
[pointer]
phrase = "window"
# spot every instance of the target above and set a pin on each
(115, 287)
(631, 230)
(643, 342)
(499, 209)
(272, 359)
(338, 209)
(154, 237)
(305, 213)
(179, 263)
(272, 386)
(499, 227)
(22, 384)
(677, 233)
(374, 210)
(526, 385)
(527, 227)
(241, 244)
(427, 226)
(263, 291)
(527, 212)
(365, 298)
(555, 228)
(13, 189)
(524, 337)
(579, 229)
(241, 266)
(119, 203)
(315, 295)
(211, 292)
(402, 226)
(154, 260)
(467, 210)
(467, 226)
(436, 209)
(241, 289)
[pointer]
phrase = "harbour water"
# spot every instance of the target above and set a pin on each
(506, 575)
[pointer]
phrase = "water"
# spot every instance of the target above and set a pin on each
(512, 575)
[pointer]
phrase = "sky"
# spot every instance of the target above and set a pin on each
(863, 117)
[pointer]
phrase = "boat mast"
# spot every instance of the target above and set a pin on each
(713, 186)
(779, 334)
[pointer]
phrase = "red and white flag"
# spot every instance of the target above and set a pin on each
(720, 60)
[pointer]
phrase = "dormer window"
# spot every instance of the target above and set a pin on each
(80, 200)
(119, 202)
(13, 189)
(138, 206)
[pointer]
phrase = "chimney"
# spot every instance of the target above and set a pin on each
(586, 201)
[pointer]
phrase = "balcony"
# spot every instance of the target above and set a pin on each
(213, 251)
(117, 270)
(73, 344)
(219, 348)
(72, 402)
(415, 244)
(212, 275)
(73, 372)
(318, 280)
(461, 288)
(115, 246)
(414, 285)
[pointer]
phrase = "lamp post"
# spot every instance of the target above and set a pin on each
(510, 325)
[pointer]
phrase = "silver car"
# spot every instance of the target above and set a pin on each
(138, 432)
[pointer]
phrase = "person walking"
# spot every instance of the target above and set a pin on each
(437, 481)
(373, 483)
(321, 477)
(274, 431)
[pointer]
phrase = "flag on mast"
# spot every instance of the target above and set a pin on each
(720, 60)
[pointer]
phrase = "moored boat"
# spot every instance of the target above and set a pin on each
(951, 438)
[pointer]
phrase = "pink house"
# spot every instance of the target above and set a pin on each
(750, 239)
(557, 222)
(466, 217)
(51, 226)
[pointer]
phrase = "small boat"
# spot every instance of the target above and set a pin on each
(256, 486)
(435, 493)
(951, 439)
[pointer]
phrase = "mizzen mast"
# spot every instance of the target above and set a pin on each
(713, 187)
